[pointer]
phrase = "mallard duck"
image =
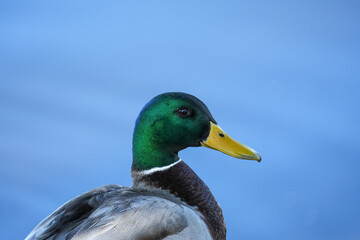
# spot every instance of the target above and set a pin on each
(167, 200)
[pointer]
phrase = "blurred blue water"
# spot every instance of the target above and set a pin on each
(281, 77)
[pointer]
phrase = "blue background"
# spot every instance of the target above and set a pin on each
(280, 76)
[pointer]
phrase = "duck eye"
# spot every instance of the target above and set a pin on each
(184, 112)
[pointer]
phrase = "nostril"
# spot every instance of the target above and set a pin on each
(221, 135)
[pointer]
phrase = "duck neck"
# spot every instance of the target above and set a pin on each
(147, 157)
(151, 148)
(182, 182)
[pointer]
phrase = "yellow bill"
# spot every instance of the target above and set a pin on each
(220, 141)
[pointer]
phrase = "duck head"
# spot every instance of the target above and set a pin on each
(174, 121)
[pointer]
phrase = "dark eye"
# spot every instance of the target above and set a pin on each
(184, 112)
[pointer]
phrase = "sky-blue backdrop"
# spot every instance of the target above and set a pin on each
(280, 76)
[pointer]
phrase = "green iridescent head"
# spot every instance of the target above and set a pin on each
(171, 122)
(167, 124)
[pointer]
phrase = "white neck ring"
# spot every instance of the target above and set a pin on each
(158, 169)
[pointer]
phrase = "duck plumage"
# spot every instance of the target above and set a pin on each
(167, 200)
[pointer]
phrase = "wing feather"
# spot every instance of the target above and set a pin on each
(113, 213)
